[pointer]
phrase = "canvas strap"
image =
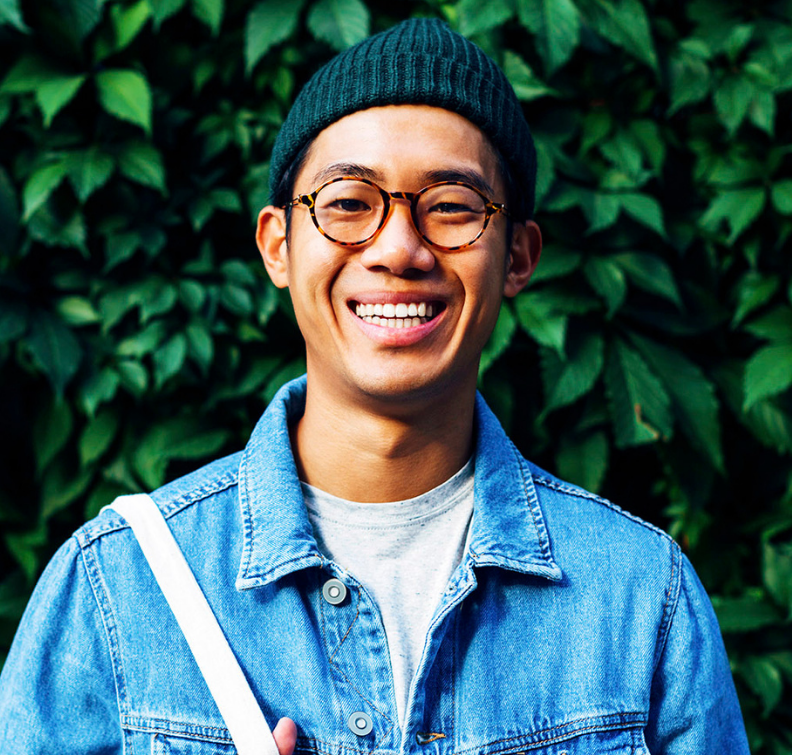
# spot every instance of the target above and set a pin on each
(224, 677)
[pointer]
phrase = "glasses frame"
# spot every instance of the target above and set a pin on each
(309, 201)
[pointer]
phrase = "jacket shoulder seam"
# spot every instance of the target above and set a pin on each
(571, 490)
(89, 533)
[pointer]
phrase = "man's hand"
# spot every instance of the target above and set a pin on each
(285, 734)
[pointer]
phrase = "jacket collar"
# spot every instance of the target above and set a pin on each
(508, 529)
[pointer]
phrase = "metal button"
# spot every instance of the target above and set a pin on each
(334, 591)
(360, 723)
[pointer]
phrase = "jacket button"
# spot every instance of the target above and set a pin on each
(360, 723)
(334, 592)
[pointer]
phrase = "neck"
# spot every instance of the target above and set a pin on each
(373, 453)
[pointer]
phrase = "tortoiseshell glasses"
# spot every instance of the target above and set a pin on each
(450, 215)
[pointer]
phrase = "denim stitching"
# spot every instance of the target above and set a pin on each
(672, 594)
(604, 726)
(110, 626)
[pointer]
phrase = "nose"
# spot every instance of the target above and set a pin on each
(398, 248)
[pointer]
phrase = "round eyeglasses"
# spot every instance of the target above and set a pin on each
(450, 215)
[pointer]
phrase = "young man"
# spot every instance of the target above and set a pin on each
(390, 573)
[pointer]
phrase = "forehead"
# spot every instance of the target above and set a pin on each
(403, 147)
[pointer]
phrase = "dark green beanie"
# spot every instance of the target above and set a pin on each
(420, 61)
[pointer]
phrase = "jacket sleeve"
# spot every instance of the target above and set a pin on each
(694, 706)
(58, 688)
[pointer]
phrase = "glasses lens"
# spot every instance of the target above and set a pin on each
(349, 210)
(450, 215)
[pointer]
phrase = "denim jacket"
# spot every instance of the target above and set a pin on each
(569, 628)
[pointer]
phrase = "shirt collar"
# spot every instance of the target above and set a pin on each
(508, 528)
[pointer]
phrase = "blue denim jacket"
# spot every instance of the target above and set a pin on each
(570, 627)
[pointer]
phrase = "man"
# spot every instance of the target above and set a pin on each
(390, 573)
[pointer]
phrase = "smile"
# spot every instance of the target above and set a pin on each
(399, 315)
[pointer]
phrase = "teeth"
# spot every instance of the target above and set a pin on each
(399, 315)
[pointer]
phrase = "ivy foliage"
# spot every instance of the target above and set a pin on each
(649, 360)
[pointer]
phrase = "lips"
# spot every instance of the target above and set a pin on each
(397, 314)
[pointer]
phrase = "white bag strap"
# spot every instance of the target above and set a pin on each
(224, 677)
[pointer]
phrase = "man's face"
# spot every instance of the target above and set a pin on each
(401, 148)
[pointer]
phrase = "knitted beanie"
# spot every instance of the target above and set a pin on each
(420, 61)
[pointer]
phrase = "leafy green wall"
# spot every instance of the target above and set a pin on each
(650, 359)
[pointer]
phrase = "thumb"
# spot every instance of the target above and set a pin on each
(285, 734)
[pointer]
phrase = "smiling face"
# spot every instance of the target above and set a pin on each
(394, 318)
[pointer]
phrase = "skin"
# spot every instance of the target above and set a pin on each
(395, 406)
(398, 402)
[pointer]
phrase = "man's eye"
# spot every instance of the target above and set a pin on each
(448, 208)
(350, 205)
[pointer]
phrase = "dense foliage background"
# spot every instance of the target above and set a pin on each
(650, 359)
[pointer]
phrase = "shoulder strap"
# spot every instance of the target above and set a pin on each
(224, 677)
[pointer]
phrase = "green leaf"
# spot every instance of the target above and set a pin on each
(777, 574)
(538, 318)
(54, 348)
(781, 196)
(566, 380)
(649, 273)
(526, 85)
(97, 436)
(692, 396)
(142, 162)
(10, 13)
(62, 484)
(236, 300)
(739, 207)
(762, 112)
(764, 679)
(499, 340)
(584, 461)
(128, 22)
(133, 375)
(744, 614)
(690, 81)
(286, 373)
(623, 23)
(776, 325)
(88, 170)
(768, 373)
(200, 344)
(646, 210)
(169, 359)
(268, 24)
(210, 12)
(557, 262)
(732, 100)
(178, 438)
(476, 17)
(80, 16)
(753, 291)
(555, 24)
(640, 407)
(98, 389)
(143, 342)
(77, 311)
(41, 184)
(164, 9)
(340, 23)
(126, 95)
(607, 278)
(603, 212)
(51, 431)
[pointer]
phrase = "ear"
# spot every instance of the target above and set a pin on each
(526, 246)
(271, 241)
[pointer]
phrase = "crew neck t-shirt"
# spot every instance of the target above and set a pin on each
(403, 553)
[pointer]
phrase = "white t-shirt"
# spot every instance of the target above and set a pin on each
(403, 553)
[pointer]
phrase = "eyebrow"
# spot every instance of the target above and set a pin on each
(466, 175)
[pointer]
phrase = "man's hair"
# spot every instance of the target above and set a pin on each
(417, 62)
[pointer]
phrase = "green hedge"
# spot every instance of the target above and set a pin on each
(650, 359)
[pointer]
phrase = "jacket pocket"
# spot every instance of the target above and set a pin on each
(163, 744)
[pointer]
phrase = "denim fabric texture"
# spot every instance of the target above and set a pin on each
(569, 628)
